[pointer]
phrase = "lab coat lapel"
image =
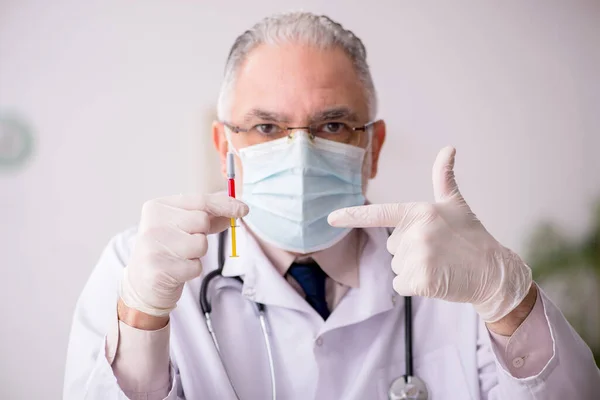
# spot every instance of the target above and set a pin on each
(375, 293)
(262, 282)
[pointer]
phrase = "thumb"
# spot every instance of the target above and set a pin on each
(444, 183)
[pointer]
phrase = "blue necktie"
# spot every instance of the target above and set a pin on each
(311, 279)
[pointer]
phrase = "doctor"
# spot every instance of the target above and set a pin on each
(297, 108)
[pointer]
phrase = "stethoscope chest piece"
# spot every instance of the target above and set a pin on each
(408, 388)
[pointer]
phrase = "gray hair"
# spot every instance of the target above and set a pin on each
(316, 30)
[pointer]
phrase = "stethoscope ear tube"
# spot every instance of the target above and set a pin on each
(408, 345)
(205, 305)
(408, 386)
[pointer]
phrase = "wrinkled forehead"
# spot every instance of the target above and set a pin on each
(296, 82)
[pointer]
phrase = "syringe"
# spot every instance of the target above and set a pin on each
(231, 191)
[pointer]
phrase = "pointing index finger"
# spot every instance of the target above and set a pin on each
(369, 216)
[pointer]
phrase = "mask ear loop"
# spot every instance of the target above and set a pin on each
(369, 148)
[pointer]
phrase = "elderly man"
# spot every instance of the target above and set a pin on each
(330, 297)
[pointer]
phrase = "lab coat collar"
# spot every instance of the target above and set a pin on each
(375, 293)
(264, 284)
(262, 281)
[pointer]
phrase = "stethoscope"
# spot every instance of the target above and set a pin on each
(406, 387)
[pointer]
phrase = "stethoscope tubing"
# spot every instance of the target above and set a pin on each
(206, 307)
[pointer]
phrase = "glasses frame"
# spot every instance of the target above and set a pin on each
(290, 129)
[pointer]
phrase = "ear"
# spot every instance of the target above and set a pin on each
(376, 145)
(220, 143)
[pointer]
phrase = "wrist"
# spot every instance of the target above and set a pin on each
(510, 282)
(132, 299)
(138, 319)
(509, 324)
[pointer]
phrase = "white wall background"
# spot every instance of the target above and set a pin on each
(119, 93)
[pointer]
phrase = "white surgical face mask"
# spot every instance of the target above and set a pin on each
(292, 184)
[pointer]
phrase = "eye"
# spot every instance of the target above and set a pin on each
(333, 127)
(267, 129)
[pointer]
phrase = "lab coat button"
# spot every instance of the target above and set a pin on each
(518, 362)
(249, 292)
(319, 341)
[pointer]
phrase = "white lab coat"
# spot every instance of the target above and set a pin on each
(355, 354)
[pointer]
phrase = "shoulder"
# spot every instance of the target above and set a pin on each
(103, 283)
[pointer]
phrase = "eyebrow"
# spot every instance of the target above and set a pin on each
(336, 113)
(264, 115)
(331, 114)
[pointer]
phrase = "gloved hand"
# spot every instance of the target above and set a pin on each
(171, 239)
(441, 250)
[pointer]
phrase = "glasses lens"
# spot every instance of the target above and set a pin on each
(337, 132)
(264, 133)
(340, 132)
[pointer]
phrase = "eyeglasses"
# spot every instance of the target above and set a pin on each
(331, 130)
